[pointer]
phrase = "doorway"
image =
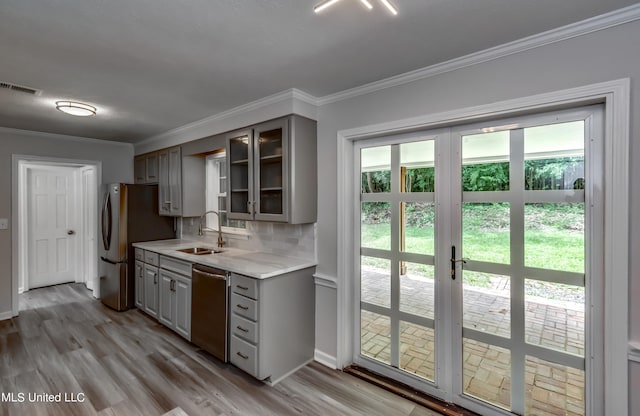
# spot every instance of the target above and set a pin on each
(480, 266)
(55, 215)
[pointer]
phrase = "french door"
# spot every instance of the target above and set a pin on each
(479, 277)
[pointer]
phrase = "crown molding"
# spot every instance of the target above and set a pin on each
(584, 27)
(290, 94)
(55, 136)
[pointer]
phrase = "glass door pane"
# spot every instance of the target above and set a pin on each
(397, 267)
(522, 263)
(239, 151)
(271, 171)
(486, 248)
(555, 264)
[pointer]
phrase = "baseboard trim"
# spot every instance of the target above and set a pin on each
(282, 377)
(6, 315)
(325, 359)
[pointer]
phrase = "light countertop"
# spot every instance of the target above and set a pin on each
(256, 264)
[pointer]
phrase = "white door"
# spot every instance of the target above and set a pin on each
(52, 227)
(480, 272)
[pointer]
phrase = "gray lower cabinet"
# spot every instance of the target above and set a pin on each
(175, 295)
(146, 281)
(151, 285)
(139, 285)
(272, 324)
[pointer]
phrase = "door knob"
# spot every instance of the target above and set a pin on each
(71, 232)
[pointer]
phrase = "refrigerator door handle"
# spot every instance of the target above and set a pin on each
(106, 222)
(106, 260)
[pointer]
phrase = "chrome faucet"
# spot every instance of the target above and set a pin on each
(201, 229)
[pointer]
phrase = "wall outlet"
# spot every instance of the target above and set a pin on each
(4, 223)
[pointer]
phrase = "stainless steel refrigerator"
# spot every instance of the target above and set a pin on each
(129, 215)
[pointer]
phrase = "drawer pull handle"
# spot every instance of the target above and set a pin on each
(242, 329)
(245, 308)
(246, 357)
(242, 287)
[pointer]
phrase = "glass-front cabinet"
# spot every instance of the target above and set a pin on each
(240, 180)
(263, 162)
(270, 170)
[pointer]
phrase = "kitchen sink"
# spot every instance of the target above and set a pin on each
(198, 251)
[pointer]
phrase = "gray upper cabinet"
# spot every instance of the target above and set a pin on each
(181, 189)
(272, 172)
(240, 175)
(146, 168)
(170, 181)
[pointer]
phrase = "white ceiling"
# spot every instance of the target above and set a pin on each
(154, 65)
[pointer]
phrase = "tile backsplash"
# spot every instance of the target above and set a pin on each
(297, 240)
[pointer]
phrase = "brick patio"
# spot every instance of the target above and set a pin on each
(551, 389)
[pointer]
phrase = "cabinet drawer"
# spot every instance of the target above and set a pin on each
(175, 265)
(151, 258)
(139, 254)
(244, 328)
(244, 286)
(244, 306)
(244, 355)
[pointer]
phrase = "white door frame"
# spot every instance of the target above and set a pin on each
(616, 98)
(88, 248)
(18, 220)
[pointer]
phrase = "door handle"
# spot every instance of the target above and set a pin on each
(71, 232)
(453, 260)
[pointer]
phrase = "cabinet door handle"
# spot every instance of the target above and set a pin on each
(242, 287)
(242, 329)
(245, 308)
(241, 355)
(155, 278)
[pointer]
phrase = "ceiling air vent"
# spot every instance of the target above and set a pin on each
(19, 88)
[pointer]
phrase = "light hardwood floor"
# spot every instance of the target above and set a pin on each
(125, 363)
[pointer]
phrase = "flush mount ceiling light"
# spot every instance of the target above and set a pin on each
(75, 108)
(326, 3)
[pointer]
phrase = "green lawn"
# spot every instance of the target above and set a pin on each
(549, 249)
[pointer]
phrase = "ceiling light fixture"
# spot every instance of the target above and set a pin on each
(75, 108)
(390, 7)
(367, 4)
(323, 5)
(326, 3)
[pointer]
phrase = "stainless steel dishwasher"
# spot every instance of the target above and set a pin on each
(209, 306)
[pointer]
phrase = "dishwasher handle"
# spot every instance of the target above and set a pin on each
(212, 275)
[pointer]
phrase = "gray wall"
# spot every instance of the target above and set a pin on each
(597, 57)
(117, 166)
